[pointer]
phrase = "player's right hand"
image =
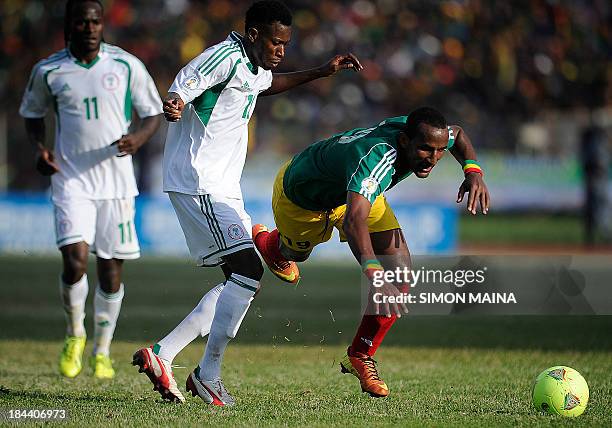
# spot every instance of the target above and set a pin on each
(45, 164)
(173, 107)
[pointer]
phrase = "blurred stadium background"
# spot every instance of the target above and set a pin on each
(529, 81)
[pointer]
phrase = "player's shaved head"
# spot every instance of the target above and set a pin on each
(266, 12)
(424, 116)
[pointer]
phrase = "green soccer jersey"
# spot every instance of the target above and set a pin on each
(361, 160)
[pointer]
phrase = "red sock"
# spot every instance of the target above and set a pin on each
(371, 332)
(271, 245)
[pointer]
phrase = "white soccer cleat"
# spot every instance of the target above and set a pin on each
(159, 373)
(211, 392)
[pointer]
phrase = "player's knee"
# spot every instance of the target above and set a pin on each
(246, 263)
(109, 274)
(296, 256)
(300, 257)
(227, 271)
(74, 268)
(253, 270)
(72, 276)
(110, 284)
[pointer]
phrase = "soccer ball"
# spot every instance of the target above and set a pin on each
(560, 390)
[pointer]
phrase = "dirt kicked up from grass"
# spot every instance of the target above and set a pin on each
(292, 385)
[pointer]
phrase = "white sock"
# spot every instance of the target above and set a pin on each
(74, 297)
(198, 322)
(106, 312)
(232, 306)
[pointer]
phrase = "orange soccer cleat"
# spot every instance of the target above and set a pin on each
(284, 269)
(364, 368)
(159, 373)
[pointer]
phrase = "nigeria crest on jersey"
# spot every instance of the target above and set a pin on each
(235, 231)
(110, 81)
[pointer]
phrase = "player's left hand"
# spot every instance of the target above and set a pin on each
(380, 298)
(128, 144)
(477, 193)
(341, 62)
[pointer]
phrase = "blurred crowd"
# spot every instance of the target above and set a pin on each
(488, 65)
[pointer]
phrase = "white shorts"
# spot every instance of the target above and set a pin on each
(214, 226)
(107, 226)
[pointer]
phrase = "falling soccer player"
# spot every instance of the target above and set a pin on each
(339, 182)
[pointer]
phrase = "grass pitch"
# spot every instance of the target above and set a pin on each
(521, 229)
(283, 366)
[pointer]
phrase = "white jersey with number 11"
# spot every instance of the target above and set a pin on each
(93, 107)
(205, 151)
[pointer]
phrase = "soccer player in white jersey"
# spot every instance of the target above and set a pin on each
(92, 87)
(209, 105)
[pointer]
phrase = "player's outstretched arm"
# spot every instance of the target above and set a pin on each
(355, 228)
(45, 161)
(473, 184)
(130, 143)
(284, 81)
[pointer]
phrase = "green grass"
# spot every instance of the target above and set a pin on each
(282, 368)
(531, 229)
(296, 386)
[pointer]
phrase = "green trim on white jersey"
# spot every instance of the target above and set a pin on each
(127, 108)
(88, 65)
(46, 79)
(108, 91)
(205, 103)
(205, 151)
(58, 56)
(217, 58)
